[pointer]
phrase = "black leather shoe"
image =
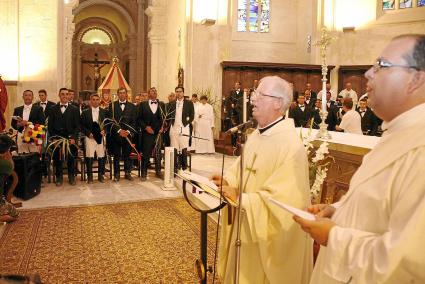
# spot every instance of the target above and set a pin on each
(101, 179)
(158, 175)
(59, 182)
(72, 181)
(128, 177)
(116, 179)
(143, 178)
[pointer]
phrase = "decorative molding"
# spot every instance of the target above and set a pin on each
(111, 4)
(157, 24)
(268, 65)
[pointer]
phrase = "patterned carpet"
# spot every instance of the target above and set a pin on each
(142, 242)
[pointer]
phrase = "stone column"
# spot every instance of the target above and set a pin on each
(132, 55)
(78, 67)
(68, 32)
(156, 35)
(140, 46)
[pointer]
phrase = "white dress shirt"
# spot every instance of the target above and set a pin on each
(179, 113)
(153, 106)
(26, 112)
(351, 122)
(95, 114)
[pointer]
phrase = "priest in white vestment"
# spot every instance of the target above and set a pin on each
(204, 121)
(274, 249)
(376, 232)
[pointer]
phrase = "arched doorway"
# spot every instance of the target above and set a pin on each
(105, 29)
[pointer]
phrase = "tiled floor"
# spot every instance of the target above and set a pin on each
(124, 191)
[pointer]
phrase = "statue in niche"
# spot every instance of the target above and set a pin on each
(180, 77)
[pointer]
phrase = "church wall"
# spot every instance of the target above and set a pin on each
(32, 44)
(363, 45)
(291, 23)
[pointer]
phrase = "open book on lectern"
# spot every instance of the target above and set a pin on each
(205, 184)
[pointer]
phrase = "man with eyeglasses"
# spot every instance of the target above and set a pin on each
(375, 233)
(274, 249)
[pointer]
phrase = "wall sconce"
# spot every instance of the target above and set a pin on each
(207, 22)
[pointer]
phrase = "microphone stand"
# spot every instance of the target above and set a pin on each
(238, 243)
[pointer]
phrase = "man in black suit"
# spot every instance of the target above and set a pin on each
(150, 121)
(44, 103)
(369, 125)
(332, 118)
(124, 114)
(23, 116)
(313, 93)
(64, 122)
(311, 102)
(72, 99)
(91, 120)
(182, 116)
(301, 113)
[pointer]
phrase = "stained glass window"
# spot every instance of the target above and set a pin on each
(253, 16)
(388, 4)
(405, 4)
(421, 3)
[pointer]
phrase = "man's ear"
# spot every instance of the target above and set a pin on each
(417, 82)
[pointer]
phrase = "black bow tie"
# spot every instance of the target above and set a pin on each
(303, 106)
(43, 103)
(123, 104)
(154, 102)
(63, 106)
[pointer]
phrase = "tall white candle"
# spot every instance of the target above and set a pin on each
(324, 95)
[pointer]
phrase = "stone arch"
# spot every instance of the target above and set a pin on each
(99, 23)
(111, 4)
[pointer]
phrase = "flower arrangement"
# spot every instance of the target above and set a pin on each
(319, 161)
(34, 134)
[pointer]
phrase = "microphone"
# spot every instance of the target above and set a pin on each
(235, 129)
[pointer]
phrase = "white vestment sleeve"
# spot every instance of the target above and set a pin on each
(374, 258)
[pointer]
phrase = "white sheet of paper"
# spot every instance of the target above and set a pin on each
(198, 178)
(293, 210)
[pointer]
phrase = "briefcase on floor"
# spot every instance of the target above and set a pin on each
(28, 169)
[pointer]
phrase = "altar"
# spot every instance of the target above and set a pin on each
(348, 150)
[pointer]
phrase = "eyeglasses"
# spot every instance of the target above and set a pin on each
(260, 94)
(382, 63)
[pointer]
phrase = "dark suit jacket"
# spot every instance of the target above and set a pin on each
(311, 103)
(49, 105)
(301, 118)
(188, 113)
(369, 125)
(126, 118)
(147, 118)
(87, 120)
(65, 124)
(332, 118)
(36, 116)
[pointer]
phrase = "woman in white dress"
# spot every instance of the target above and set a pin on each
(204, 127)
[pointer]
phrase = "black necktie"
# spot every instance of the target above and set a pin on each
(63, 106)
(154, 102)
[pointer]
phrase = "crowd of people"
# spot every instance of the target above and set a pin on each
(120, 129)
(345, 111)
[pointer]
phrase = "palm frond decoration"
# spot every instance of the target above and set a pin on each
(59, 143)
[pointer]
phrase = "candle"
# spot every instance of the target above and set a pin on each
(324, 95)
